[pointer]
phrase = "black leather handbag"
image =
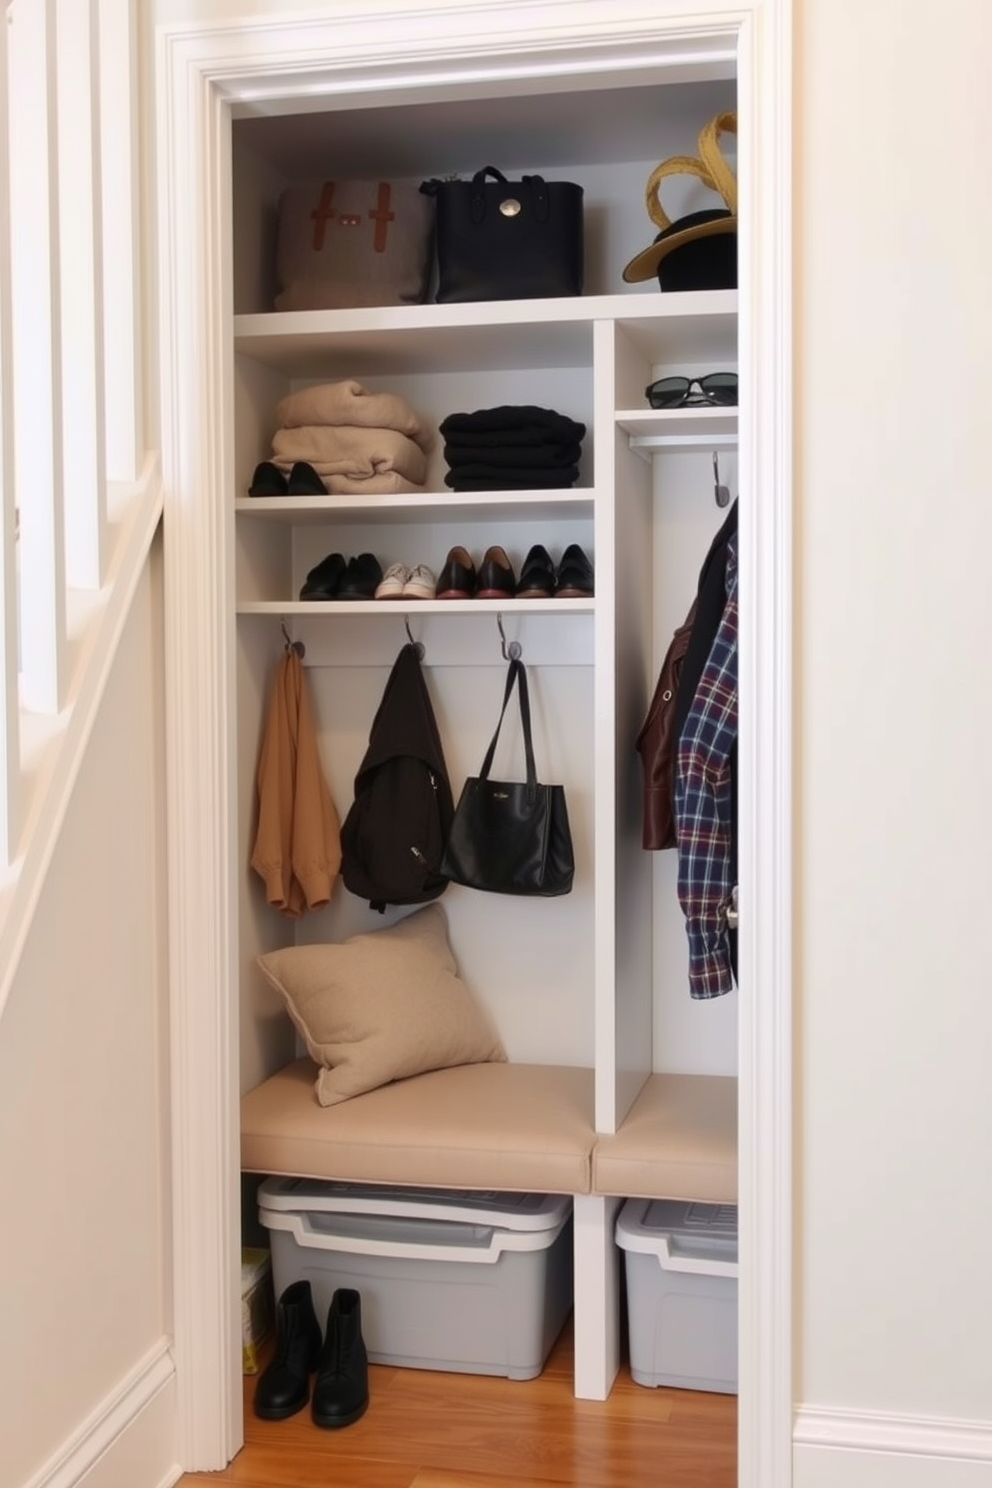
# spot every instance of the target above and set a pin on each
(511, 837)
(507, 240)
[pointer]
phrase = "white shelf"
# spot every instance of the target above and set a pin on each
(651, 429)
(387, 608)
(496, 334)
(428, 506)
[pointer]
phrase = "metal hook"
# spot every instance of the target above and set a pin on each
(418, 646)
(721, 493)
(292, 645)
(510, 649)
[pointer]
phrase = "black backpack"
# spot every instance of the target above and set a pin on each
(393, 837)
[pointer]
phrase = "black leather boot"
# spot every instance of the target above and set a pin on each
(341, 1389)
(284, 1385)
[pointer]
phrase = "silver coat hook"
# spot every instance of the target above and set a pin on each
(292, 645)
(510, 649)
(418, 646)
(720, 493)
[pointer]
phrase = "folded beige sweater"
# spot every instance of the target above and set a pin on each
(346, 450)
(349, 403)
(386, 484)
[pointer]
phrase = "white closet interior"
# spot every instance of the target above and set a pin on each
(597, 978)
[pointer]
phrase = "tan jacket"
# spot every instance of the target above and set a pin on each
(297, 849)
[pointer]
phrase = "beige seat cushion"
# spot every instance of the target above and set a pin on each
(516, 1127)
(678, 1141)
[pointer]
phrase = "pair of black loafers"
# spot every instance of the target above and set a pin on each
(541, 579)
(337, 577)
(303, 480)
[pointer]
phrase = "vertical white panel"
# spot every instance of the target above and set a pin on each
(10, 732)
(81, 283)
(118, 74)
(37, 352)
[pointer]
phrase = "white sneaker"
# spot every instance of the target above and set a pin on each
(420, 583)
(394, 581)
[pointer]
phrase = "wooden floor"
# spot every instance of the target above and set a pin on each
(431, 1430)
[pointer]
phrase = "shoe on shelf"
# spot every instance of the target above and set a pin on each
(268, 480)
(537, 575)
(421, 583)
(362, 578)
(283, 1387)
(341, 1389)
(394, 580)
(323, 580)
(496, 577)
(457, 577)
(304, 481)
(575, 576)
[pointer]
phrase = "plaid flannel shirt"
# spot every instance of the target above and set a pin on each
(703, 805)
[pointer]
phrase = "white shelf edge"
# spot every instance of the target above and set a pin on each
(307, 325)
(428, 504)
(387, 608)
(651, 429)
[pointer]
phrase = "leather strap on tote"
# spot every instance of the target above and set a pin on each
(478, 203)
(710, 167)
(536, 185)
(515, 673)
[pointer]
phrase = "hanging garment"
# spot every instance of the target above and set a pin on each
(704, 805)
(297, 849)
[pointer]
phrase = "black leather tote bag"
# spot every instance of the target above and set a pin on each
(507, 240)
(511, 837)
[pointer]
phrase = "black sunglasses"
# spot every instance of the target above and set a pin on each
(675, 392)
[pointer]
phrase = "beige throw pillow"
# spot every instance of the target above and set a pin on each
(382, 1006)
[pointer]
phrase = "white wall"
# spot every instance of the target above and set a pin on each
(894, 237)
(84, 1255)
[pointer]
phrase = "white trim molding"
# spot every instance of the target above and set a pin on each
(127, 1437)
(876, 1449)
(206, 72)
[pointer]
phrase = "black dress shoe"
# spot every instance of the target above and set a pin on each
(304, 481)
(457, 578)
(575, 576)
(537, 576)
(362, 578)
(341, 1389)
(268, 480)
(283, 1387)
(496, 577)
(322, 582)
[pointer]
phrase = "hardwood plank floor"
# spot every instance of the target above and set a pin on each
(438, 1430)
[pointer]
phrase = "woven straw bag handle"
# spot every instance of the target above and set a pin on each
(709, 167)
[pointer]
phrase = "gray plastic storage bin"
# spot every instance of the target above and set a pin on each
(681, 1265)
(479, 1283)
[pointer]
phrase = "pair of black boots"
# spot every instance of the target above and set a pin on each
(341, 1389)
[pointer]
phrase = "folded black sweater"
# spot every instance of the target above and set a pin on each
(499, 478)
(524, 422)
(513, 456)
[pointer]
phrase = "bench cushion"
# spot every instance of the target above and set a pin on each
(678, 1141)
(515, 1127)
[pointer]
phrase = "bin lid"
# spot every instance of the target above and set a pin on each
(508, 1211)
(678, 1227)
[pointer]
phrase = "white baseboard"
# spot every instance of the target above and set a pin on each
(131, 1437)
(872, 1449)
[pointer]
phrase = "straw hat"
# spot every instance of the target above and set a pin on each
(717, 259)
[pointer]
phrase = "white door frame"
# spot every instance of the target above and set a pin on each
(369, 46)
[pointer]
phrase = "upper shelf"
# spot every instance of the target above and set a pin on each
(679, 428)
(497, 334)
